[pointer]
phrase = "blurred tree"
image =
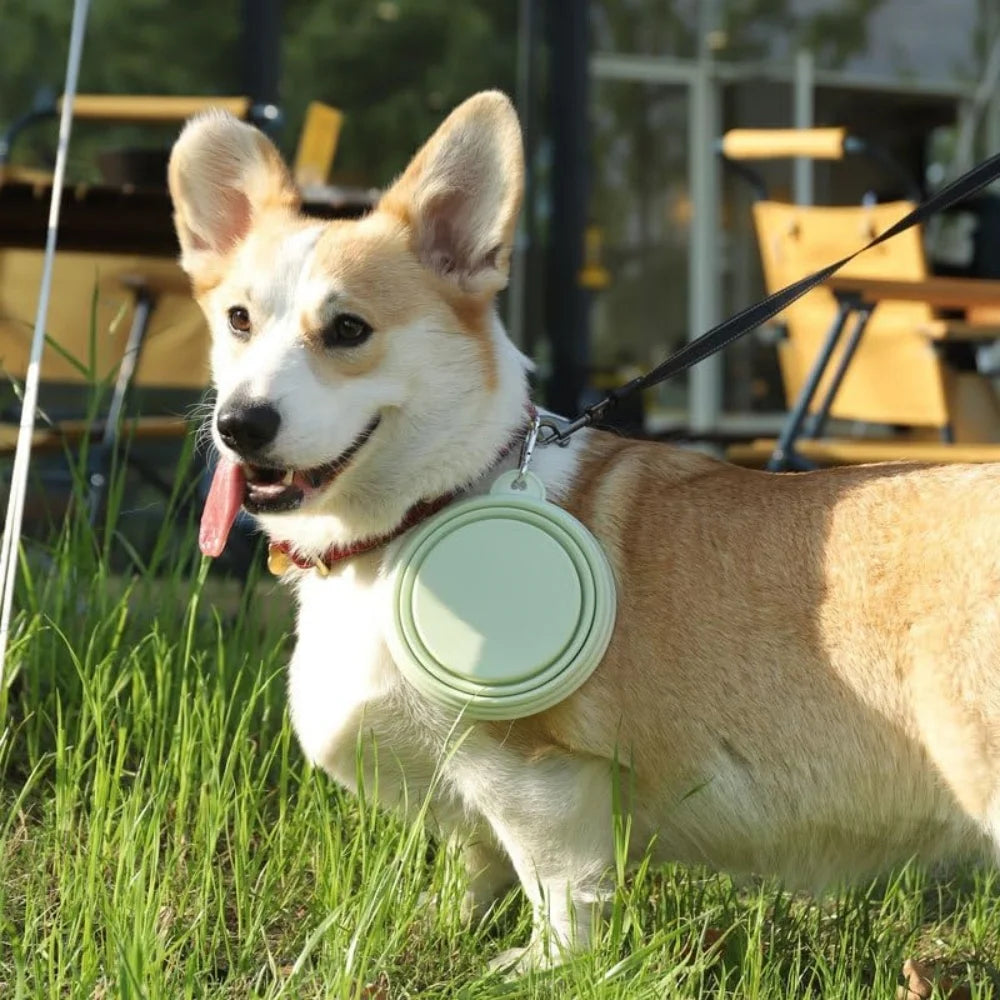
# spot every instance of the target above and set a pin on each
(138, 46)
(745, 29)
(394, 67)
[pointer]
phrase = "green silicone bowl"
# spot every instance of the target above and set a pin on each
(503, 604)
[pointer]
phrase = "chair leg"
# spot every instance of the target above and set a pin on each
(783, 458)
(103, 457)
(819, 418)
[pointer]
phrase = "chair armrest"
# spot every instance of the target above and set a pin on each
(152, 108)
(126, 108)
(781, 143)
(957, 331)
(941, 293)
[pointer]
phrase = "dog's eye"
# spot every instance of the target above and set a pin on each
(239, 322)
(346, 330)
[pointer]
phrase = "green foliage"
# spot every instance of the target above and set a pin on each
(748, 29)
(162, 838)
(394, 68)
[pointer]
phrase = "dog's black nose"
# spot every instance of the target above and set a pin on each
(248, 427)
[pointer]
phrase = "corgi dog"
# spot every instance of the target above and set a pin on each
(804, 677)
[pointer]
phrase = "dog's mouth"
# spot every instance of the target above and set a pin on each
(265, 489)
(273, 490)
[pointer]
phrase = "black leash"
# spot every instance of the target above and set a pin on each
(748, 319)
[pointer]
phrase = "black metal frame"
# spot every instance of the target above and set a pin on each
(102, 458)
(784, 458)
(567, 303)
(799, 424)
(19, 124)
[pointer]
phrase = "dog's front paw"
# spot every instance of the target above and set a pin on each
(513, 962)
(516, 962)
(472, 909)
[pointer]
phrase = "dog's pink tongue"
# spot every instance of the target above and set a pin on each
(221, 507)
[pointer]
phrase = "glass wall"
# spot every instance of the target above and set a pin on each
(901, 72)
(641, 205)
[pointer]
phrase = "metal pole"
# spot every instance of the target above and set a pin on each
(22, 456)
(262, 60)
(991, 132)
(566, 302)
(517, 291)
(970, 110)
(705, 379)
(805, 78)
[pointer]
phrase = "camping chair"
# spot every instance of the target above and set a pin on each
(317, 145)
(121, 319)
(860, 349)
(147, 331)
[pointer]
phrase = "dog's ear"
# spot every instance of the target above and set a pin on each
(223, 175)
(461, 193)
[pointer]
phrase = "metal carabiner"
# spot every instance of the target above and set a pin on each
(557, 431)
(527, 450)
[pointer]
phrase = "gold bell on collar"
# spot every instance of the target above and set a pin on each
(278, 561)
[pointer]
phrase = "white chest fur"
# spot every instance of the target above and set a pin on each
(341, 669)
(342, 678)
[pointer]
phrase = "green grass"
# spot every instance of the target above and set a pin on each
(161, 836)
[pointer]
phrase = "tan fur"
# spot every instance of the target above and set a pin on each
(844, 622)
(224, 178)
(378, 278)
(442, 166)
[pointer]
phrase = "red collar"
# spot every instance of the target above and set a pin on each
(281, 556)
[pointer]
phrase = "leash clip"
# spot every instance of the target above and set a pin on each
(527, 450)
(560, 431)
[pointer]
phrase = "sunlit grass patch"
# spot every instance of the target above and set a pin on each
(161, 836)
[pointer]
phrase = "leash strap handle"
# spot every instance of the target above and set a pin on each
(748, 319)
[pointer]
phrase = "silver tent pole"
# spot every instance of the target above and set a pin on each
(22, 456)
